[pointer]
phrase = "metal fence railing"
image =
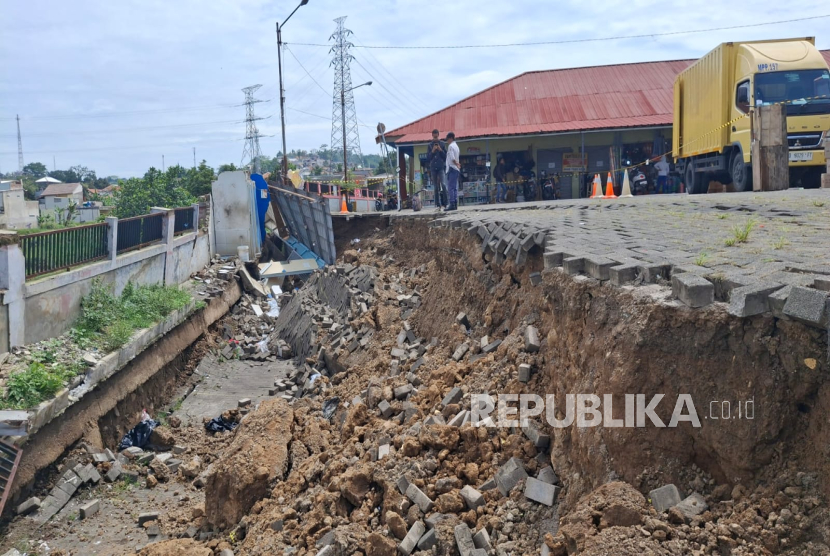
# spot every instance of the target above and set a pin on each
(55, 250)
(137, 232)
(184, 220)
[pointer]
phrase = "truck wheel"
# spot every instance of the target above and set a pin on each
(692, 179)
(741, 173)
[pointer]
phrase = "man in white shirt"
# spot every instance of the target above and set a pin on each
(662, 168)
(453, 170)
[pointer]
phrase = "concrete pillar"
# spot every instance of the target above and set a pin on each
(825, 178)
(13, 280)
(168, 226)
(770, 150)
(112, 238)
(195, 217)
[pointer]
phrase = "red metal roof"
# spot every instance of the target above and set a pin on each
(578, 99)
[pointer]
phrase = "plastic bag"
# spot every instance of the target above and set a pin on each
(139, 436)
(220, 424)
(273, 307)
(330, 406)
(262, 346)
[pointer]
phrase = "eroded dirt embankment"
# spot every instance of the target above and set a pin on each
(598, 339)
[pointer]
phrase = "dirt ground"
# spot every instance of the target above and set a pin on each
(291, 481)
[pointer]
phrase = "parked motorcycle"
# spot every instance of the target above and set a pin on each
(379, 202)
(638, 180)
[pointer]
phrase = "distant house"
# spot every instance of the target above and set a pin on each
(48, 197)
(15, 211)
(47, 181)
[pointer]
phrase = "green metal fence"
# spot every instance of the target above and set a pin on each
(55, 250)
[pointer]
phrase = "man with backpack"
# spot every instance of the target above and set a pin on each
(436, 161)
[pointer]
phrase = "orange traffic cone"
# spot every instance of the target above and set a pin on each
(609, 189)
(626, 190)
(343, 206)
(596, 193)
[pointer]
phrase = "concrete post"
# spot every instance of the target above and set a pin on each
(770, 150)
(825, 178)
(168, 226)
(13, 280)
(195, 217)
(112, 238)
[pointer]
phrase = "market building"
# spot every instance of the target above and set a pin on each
(562, 125)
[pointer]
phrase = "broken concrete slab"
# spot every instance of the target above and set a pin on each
(693, 505)
(664, 498)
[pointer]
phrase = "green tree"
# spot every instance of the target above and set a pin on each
(200, 179)
(383, 167)
(35, 169)
(316, 171)
(156, 189)
(227, 168)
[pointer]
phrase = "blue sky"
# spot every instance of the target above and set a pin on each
(115, 85)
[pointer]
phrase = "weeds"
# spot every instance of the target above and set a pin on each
(701, 259)
(781, 243)
(723, 216)
(37, 383)
(818, 204)
(730, 241)
(741, 233)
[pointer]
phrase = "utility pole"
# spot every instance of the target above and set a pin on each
(251, 151)
(19, 147)
(54, 165)
(282, 91)
(162, 164)
(194, 158)
(344, 116)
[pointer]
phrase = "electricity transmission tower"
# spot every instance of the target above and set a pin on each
(343, 114)
(19, 147)
(251, 151)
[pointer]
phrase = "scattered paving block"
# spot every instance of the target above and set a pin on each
(173, 465)
(693, 290)
(540, 441)
(464, 540)
(479, 552)
(481, 540)
(433, 520)
(540, 491)
(532, 343)
(417, 497)
(417, 364)
(132, 452)
(144, 459)
(524, 373)
(412, 537)
(394, 367)
(383, 451)
(548, 475)
(751, 300)
(693, 505)
(472, 497)
(115, 471)
(385, 409)
(402, 484)
(328, 550)
(398, 353)
(31, 505)
(806, 305)
(147, 517)
(435, 420)
(278, 525)
(401, 392)
(491, 347)
(461, 318)
(453, 396)
(91, 474)
(462, 417)
(536, 278)
(178, 450)
(460, 351)
(325, 540)
(490, 484)
(244, 402)
(100, 458)
(90, 509)
(664, 498)
(509, 475)
(429, 540)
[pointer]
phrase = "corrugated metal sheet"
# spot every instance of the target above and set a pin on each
(555, 101)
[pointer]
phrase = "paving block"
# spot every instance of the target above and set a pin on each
(412, 537)
(778, 299)
(524, 373)
(385, 409)
(417, 497)
(574, 265)
(461, 318)
(491, 347)
(480, 552)
(664, 498)
(693, 290)
(652, 272)
(453, 396)
(548, 475)
(460, 351)
(429, 540)
(806, 305)
(90, 509)
(31, 505)
(462, 417)
(540, 491)
(747, 301)
(532, 343)
(692, 505)
(490, 484)
(402, 483)
(540, 441)
(535, 278)
(244, 402)
(599, 267)
(623, 274)
(553, 259)
(509, 475)
(147, 517)
(481, 540)
(401, 392)
(435, 420)
(472, 497)
(464, 540)
(417, 364)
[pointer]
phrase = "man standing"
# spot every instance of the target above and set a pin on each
(453, 170)
(501, 189)
(437, 161)
(662, 168)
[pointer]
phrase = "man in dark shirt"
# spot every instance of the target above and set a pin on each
(499, 174)
(437, 160)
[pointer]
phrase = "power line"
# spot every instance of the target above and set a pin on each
(144, 128)
(393, 106)
(128, 112)
(573, 41)
(153, 146)
(403, 88)
(306, 71)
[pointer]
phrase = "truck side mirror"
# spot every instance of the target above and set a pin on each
(742, 97)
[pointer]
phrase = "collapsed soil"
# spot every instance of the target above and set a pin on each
(765, 492)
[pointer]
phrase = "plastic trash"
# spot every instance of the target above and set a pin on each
(262, 346)
(330, 406)
(139, 435)
(313, 377)
(220, 424)
(273, 307)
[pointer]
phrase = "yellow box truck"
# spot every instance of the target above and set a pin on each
(713, 103)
